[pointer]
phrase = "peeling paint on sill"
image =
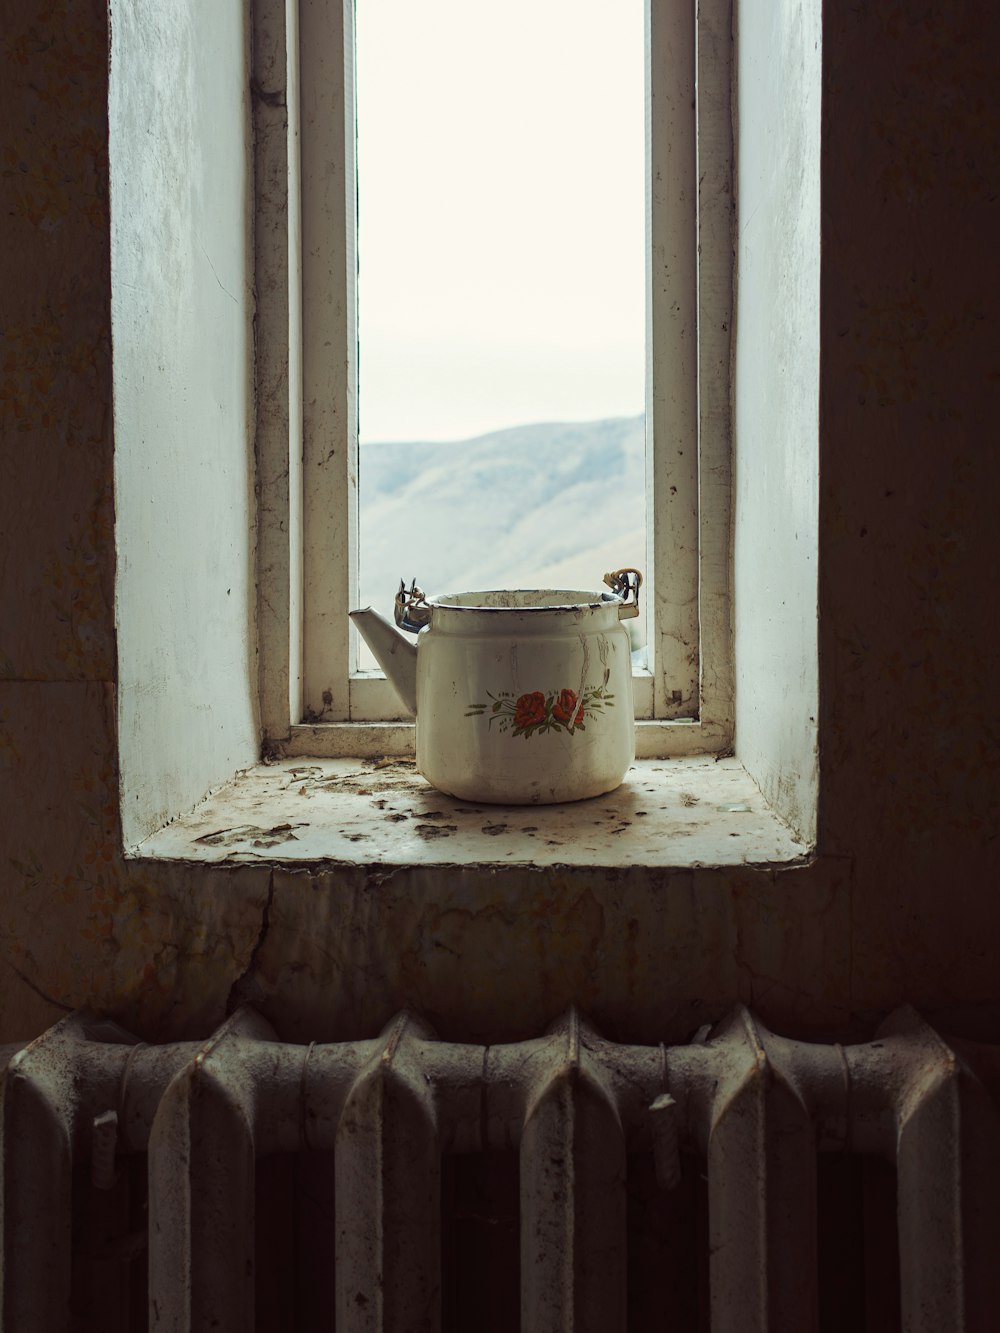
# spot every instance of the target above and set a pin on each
(673, 813)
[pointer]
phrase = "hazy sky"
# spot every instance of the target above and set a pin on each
(501, 214)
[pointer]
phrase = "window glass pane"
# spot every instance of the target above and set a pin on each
(501, 281)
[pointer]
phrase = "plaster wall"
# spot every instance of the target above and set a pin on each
(909, 479)
(900, 903)
(181, 323)
(777, 401)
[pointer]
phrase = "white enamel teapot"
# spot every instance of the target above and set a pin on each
(521, 697)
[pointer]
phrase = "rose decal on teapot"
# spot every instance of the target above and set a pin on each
(560, 710)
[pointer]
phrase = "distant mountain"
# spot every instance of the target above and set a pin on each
(547, 505)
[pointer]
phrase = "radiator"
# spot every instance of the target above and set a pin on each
(749, 1116)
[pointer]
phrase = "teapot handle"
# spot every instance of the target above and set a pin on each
(625, 584)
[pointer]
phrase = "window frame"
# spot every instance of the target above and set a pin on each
(305, 217)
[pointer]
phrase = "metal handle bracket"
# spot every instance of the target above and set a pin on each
(625, 583)
(410, 609)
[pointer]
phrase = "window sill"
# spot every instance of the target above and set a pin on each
(679, 813)
(653, 740)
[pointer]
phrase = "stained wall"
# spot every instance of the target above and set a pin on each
(182, 332)
(909, 475)
(776, 401)
(902, 901)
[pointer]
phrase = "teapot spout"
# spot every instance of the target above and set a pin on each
(396, 655)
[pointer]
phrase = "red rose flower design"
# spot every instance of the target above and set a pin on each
(529, 709)
(562, 709)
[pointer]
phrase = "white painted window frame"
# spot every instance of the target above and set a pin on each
(312, 699)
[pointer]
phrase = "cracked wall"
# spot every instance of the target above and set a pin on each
(902, 902)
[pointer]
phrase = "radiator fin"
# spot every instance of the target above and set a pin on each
(572, 1195)
(201, 1188)
(948, 1166)
(388, 1191)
